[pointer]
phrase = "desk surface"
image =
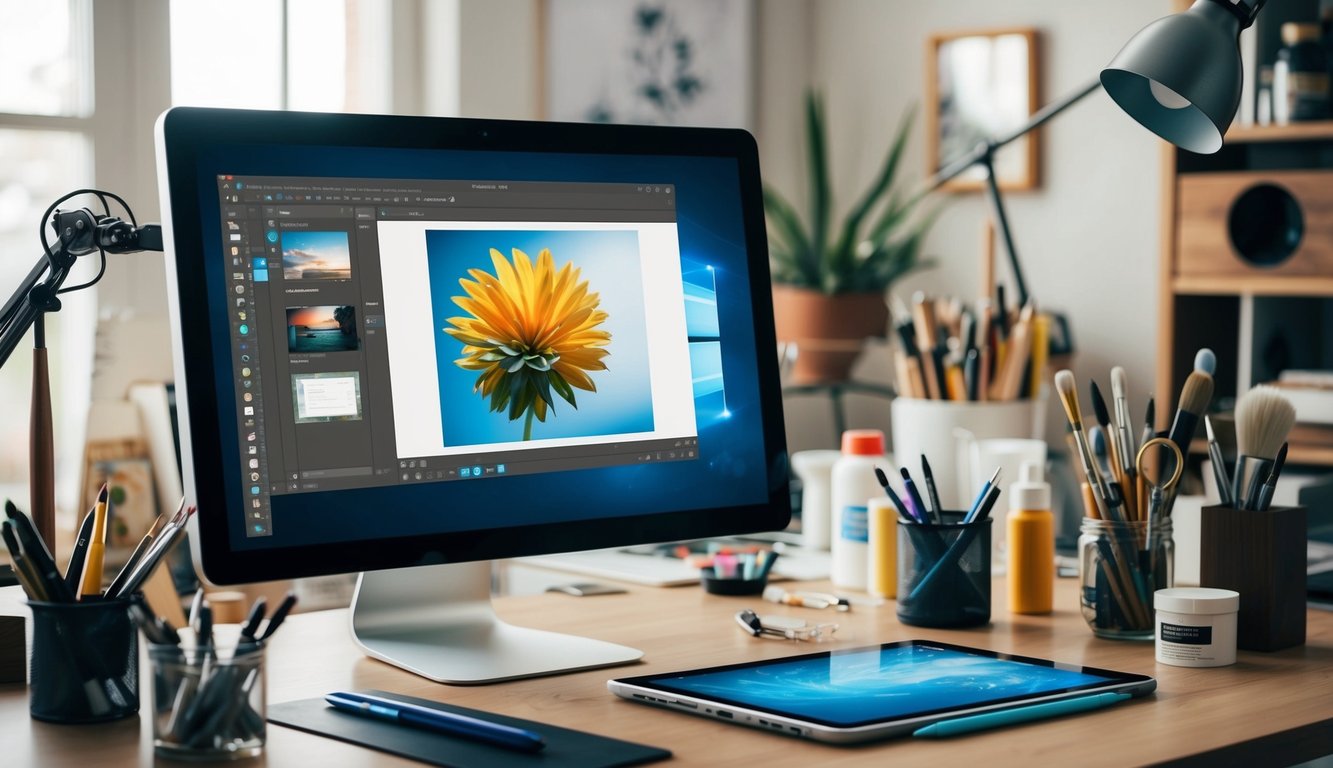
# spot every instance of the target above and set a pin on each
(1268, 708)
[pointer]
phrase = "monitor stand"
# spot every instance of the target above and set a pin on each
(437, 621)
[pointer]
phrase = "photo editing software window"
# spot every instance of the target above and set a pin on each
(407, 331)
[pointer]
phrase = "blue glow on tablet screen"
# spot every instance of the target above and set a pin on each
(879, 684)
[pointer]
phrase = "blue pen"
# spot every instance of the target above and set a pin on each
(449, 723)
(981, 497)
(973, 723)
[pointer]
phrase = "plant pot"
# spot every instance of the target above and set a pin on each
(829, 331)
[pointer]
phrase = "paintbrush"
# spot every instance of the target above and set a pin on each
(1205, 361)
(1263, 418)
(1107, 504)
(1103, 416)
(1224, 496)
(1149, 422)
(1097, 439)
(1270, 485)
(1123, 439)
(1194, 399)
(1114, 458)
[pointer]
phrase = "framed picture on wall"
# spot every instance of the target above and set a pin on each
(979, 85)
(661, 62)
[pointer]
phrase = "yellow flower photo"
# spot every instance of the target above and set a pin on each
(531, 331)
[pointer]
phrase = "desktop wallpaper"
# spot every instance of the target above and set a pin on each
(874, 684)
(592, 382)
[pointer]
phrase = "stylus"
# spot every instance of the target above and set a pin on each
(437, 720)
(972, 723)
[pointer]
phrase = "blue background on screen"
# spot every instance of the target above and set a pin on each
(847, 688)
(609, 260)
(732, 468)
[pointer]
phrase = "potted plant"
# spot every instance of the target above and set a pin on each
(830, 282)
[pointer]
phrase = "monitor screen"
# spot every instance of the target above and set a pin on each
(408, 341)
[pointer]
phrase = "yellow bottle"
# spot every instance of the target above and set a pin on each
(1031, 543)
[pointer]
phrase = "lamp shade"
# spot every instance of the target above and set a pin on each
(1180, 76)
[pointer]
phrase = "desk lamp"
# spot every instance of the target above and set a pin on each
(1180, 77)
(78, 233)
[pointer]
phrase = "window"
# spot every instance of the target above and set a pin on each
(46, 111)
(331, 54)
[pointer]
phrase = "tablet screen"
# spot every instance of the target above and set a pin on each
(877, 684)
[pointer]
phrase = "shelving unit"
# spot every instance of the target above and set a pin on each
(1258, 319)
(1251, 134)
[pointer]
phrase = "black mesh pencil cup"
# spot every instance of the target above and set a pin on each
(85, 662)
(944, 573)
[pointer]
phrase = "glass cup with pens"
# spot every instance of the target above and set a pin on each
(208, 691)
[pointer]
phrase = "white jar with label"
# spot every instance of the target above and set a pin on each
(1196, 626)
(854, 485)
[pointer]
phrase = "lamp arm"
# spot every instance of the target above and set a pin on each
(1041, 116)
(984, 156)
(978, 155)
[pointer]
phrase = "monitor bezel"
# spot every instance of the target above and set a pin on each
(183, 133)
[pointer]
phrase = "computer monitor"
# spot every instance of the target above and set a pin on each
(406, 342)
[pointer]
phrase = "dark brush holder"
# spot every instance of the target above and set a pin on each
(1261, 555)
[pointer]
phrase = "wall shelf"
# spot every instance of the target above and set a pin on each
(1236, 285)
(1258, 320)
(1319, 130)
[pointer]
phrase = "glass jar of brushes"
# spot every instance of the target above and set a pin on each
(1121, 565)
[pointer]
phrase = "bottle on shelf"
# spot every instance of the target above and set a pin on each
(1031, 543)
(1300, 76)
(1263, 109)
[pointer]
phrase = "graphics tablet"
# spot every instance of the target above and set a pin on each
(862, 694)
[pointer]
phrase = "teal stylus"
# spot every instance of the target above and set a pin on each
(962, 725)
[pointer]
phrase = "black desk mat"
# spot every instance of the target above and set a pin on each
(564, 747)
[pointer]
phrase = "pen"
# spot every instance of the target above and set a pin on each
(912, 493)
(934, 493)
(285, 607)
(437, 720)
(960, 725)
(975, 510)
(90, 585)
(22, 567)
(893, 497)
(39, 556)
(252, 621)
(74, 571)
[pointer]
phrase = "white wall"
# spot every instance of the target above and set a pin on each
(1087, 237)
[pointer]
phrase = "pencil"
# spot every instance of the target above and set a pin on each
(90, 585)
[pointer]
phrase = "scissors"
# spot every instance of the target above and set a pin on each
(1160, 490)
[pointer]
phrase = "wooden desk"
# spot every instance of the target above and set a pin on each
(1270, 709)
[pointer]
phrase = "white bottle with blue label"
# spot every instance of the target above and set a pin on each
(854, 485)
